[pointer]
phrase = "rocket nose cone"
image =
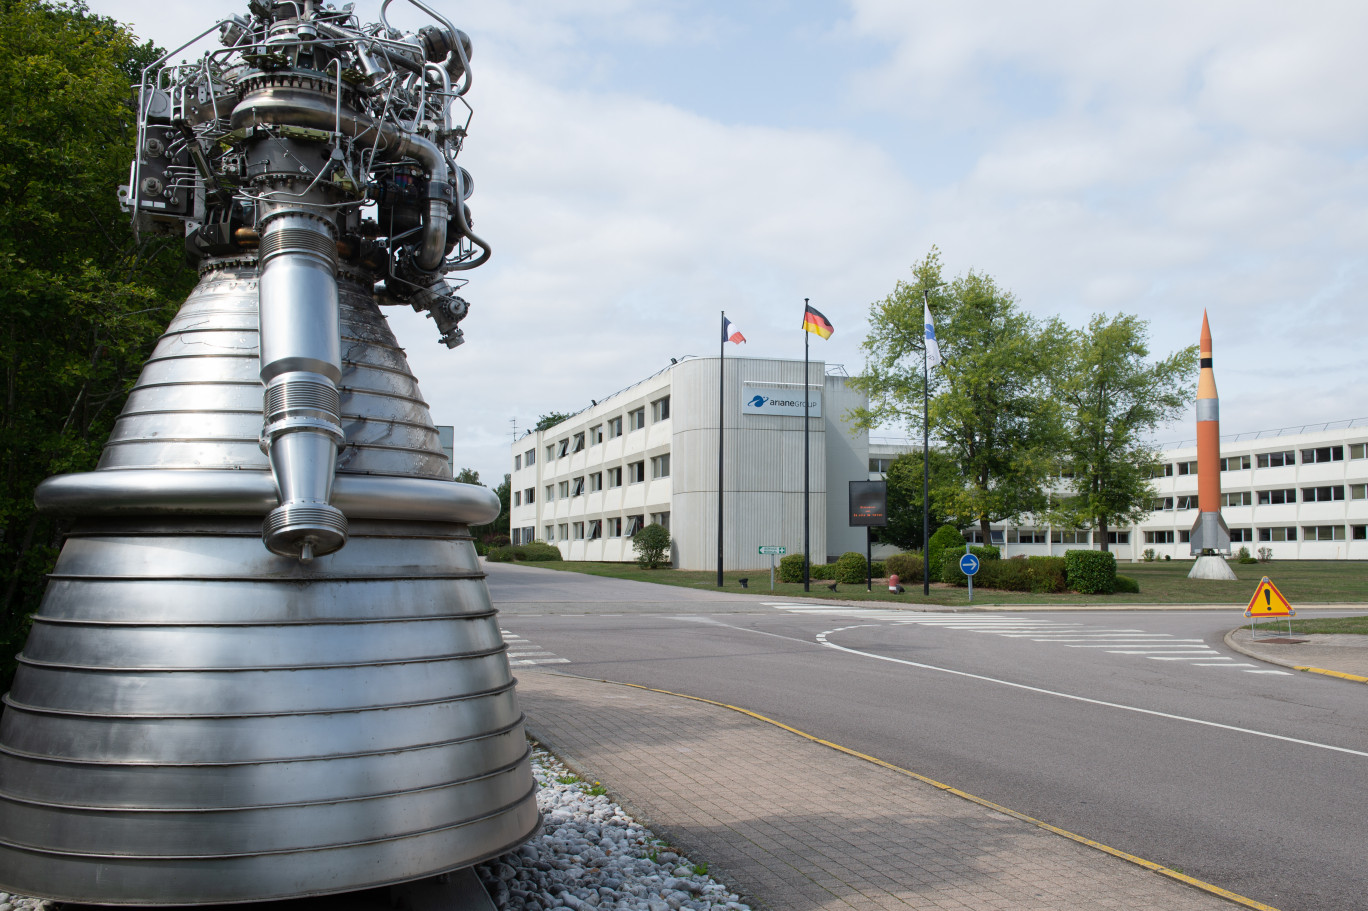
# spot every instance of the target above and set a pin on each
(1206, 334)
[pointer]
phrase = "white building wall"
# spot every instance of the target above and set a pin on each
(847, 460)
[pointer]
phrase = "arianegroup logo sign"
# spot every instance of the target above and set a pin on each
(779, 400)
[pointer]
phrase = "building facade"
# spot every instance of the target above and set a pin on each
(649, 454)
(1302, 493)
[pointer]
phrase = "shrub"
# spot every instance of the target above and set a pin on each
(500, 555)
(907, 567)
(947, 537)
(1242, 556)
(1090, 572)
(1148, 555)
(652, 546)
(851, 568)
(791, 568)
(1265, 554)
(537, 552)
(1048, 575)
(985, 551)
(823, 571)
(498, 540)
(878, 570)
(1127, 585)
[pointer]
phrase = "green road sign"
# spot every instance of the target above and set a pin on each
(773, 549)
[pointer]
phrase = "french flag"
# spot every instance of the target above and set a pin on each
(730, 333)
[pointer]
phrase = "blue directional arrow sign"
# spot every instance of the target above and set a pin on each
(969, 564)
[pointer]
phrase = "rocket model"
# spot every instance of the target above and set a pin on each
(1209, 534)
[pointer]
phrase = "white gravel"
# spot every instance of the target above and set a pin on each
(10, 902)
(590, 854)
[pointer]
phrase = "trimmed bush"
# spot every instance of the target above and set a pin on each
(652, 546)
(1127, 585)
(851, 568)
(499, 555)
(878, 570)
(537, 552)
(947, 537)
(1048, 575)
(1090, 572)
(907, 567)
(985, 551)
(791, 568)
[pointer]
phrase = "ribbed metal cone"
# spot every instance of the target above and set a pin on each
(197, 720)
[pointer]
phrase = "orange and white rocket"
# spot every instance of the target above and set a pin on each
(1209, 534)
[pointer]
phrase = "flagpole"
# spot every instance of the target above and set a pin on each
(721, 430)
(807, 543)
(926, 460)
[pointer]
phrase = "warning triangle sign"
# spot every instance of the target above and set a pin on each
(1268, 601)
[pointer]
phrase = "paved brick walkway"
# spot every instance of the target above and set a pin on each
(797, 826)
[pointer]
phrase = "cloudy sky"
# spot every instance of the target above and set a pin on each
(641, 165)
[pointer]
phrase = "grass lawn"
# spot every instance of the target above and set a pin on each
(1323, 625)
(1301, 582)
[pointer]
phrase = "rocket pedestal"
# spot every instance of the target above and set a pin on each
(1210, 537)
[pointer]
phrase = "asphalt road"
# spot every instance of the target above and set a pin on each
(1134, 728)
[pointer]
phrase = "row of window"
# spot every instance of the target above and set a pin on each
(636, 420)
(1039, 536)
(594, 480)
(528, 458)
(1326, 494)
(597, 529)
(1277, 533)
(1271, 459)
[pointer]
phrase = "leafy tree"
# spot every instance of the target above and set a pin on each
(652, 545)
(468, 476)
(81, 301)
(904, 476)
(990, 411)
(501, 525)
(547, 421)
(1113, 399)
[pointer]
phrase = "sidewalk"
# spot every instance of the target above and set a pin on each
(1340, 655)
(795, 825)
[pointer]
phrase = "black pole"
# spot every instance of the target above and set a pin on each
(926, 467)
(807, 538)
(869, 559)
(721, 422)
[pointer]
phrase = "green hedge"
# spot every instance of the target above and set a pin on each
(1090, 572)
(1127, 585)
(907, 567)
(791, 568)
(947, 537)
(536, 552)
(1041, 575)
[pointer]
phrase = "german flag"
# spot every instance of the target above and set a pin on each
(817, 323)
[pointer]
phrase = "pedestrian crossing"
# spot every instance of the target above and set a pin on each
(522, 653)
(1121, 641)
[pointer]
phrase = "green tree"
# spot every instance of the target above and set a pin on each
(547, 421)
(468, 476)
(1113, 398)
(904, 476)
(990, 411)
(652, 545)
(504, 522)
(81, 301)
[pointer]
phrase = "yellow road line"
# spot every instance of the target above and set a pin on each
(1340, 674)
(1114, 852)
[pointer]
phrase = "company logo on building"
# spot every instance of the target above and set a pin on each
(780, 400)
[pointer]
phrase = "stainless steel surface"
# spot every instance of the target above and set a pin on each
(200, 719)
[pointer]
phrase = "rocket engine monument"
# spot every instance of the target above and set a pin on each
(266, 664)
(1210, 538)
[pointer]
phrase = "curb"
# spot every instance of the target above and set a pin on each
(1236, 647)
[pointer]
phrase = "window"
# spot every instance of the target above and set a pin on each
(995, 536)
(1159, 504)
(563, 448)
(563, 530)
(615, 477)
(1358, 491)
(1163, 471)
(880, 465)
(1158, 537)
(662, 519)
(1070, 537)
(1027, 536)
(634, 524)
(1267, 497)
(660, 409)
(1277, 534)
(596, 481)
(530, 457)
(1186, 502)
(563, 489)
(550, 531)
(550, 491)
(515, 535)
(1235, 463)
(1358, 451)
(636, 472)
(517, 462)
(577, 487)
(1322, 494)
(1187, 467)
(1323, 454)
(1238, 498)
(529, 535)
(1360, 532)
(530, 495)
(517, 498)
(615, 527)
(660, 466)
(595, 529)
(550, 452)
(1322, 532)
(614, 427)
(579, 442)
(636, 419)
(1238, 535)
(595, 434)
(1185, 537)
(1118, 537)
(1275, 459)
(578, 529)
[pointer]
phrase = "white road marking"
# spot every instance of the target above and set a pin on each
(822, 638)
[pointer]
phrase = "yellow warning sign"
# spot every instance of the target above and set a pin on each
(1268, 601)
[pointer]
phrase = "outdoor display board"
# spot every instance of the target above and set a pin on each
(868, 503)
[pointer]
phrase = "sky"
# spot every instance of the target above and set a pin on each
(641, 165)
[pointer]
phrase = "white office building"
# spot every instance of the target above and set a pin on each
(1300, 492)
(649, 454)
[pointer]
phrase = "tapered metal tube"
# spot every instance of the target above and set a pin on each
(1209, 533)
(301, 364)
